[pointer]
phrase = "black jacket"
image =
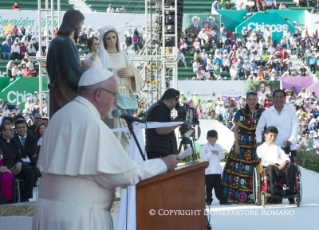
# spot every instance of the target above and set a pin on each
(30, 147)
(10, 152)
(159, 145)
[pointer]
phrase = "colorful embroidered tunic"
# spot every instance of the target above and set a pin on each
(237, 174)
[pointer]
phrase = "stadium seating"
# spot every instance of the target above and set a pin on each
(190, 6)
(33, 5)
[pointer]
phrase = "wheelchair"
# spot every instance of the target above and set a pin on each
(261, 186)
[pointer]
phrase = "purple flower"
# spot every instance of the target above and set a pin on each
(231, 193)
(242, 197)
(240, 167)
(233, 165)
(231, 179)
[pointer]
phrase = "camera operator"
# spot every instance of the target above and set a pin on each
(161, 142)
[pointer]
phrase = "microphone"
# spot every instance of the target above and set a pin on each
(118, 114)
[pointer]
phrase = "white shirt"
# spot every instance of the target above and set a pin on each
(262, 95)
(220, 110)
(28, 105)
(206, 154)
(128, 33)
(15, 49)
(15, 71)
(203, 35)
(110, 10)
(286, 122)
(271, 153)
(267, 33)
(31, 50)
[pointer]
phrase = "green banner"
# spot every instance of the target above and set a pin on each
(260, 20)
(232, 18)
(21, 89)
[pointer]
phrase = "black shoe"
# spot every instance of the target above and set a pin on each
(291, 201)
(226, 202)
(208, 201)
(290, 192)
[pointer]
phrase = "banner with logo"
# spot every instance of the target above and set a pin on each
(260, 20)
(21, 89)
(312, 23)
(225, 89)
(195, 22)
(30, 18)
(297, 82)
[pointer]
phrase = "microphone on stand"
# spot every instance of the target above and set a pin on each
(118, 114)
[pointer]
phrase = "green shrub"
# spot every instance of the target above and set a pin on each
(308, 160)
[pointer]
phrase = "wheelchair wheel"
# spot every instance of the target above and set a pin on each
(299, 184)
(297, 200)
(256, 185)
(263, 199)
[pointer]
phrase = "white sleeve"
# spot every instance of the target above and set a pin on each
(260, 127)
(143, 171)
(205, 154)
(221, 154)
(260, 154)
(295, 128)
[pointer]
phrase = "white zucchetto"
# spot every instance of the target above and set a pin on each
(94, 75)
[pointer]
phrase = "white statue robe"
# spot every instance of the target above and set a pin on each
(126, 86)
(82, 162)
(129, 85)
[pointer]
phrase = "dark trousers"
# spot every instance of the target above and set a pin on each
(293, 153)
(36, 172)
(214, 181)
(27, 175)
(289, 172)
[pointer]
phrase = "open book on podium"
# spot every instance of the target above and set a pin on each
(174, 200)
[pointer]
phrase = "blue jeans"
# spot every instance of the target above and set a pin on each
(6, 56)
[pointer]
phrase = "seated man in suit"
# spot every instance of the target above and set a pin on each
(28, 147)
(37, 121)
(10, 149)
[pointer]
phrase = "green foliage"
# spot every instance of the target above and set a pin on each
(270, 85)
(308, 160)
(226, 155)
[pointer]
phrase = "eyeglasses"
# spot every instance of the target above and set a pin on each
(116, 95)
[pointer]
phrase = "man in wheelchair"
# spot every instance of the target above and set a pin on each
(277, 163)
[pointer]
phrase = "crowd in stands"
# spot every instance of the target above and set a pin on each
(251, 55)
(262, 5)
(23, 130)
(110, 9)
(305, 103)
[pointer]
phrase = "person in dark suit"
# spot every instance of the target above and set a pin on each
(28, 147)
(195, 28)
(37, 121)
(10, 149)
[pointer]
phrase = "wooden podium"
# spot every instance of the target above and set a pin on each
(177, 198)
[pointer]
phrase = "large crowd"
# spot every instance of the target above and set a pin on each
(305, 103)
(21, 136)
(251, 55)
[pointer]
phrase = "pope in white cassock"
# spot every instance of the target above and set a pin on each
(82, 161)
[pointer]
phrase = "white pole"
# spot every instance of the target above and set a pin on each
(40, 56)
